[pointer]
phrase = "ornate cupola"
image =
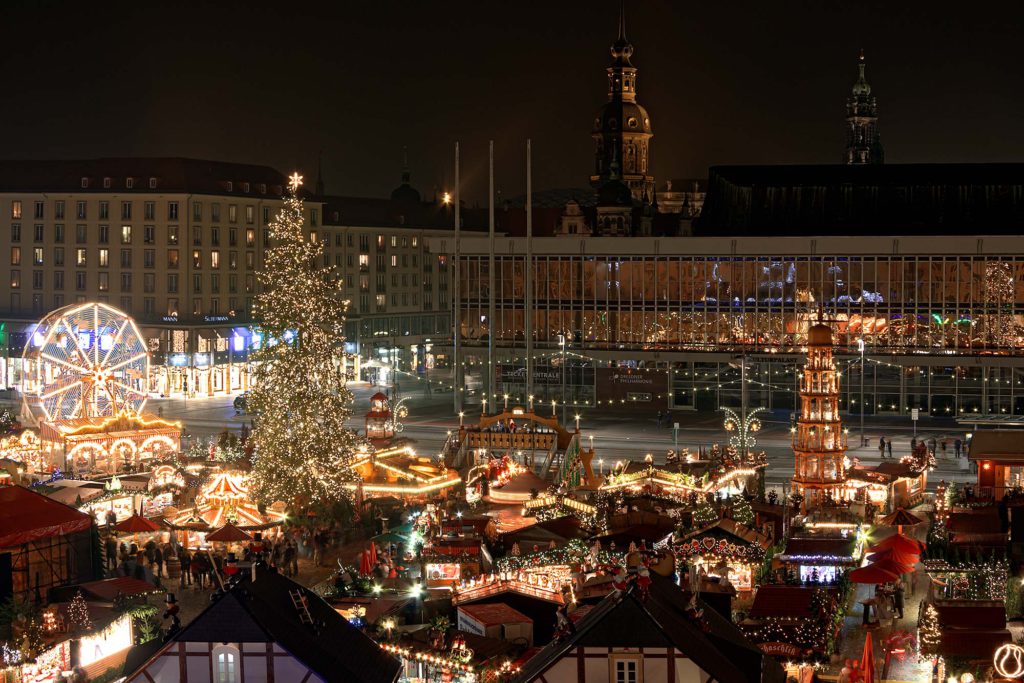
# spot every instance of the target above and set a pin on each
(622, 128)
(819, 441)
(863, 144)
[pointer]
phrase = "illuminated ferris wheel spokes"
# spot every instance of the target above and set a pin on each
(87, 361)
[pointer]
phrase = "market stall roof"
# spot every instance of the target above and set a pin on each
(873, 574)
(835, 549)
(731, 529)
(890, 565)
(779, 600)
(27, 516)
(1004, 446)
(896, 555)
(105, 590)
(900, 518)
(229, 533)
(900, 542)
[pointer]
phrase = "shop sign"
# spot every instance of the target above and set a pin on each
(178, 360)
(780, 649)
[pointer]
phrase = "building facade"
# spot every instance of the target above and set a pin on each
(940, 318)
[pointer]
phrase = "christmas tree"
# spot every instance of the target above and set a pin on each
(741, 511)
(705, 514)
(78, 614)
(302, 448)
(928, 631)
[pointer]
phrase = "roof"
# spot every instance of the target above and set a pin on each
(27, 516)
(714, 644)
(1001, 445)
(172, 174)
(494, 613)
(828, 546)
(105, 590)
(731, 529)
(262, 611)
(779, 600)
(869, 199)
(372, 212)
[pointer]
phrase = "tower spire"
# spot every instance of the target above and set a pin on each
(622, 20)
(863, 144)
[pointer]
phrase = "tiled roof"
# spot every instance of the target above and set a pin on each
(778, 600)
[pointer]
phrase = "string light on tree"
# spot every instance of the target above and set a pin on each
(303, 448)
(78, 613)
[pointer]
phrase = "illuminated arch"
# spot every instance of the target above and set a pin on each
(99, 451)
(158, 438)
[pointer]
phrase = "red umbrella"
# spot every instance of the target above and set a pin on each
(365, 568)
(892, 567)
(136, 524)
(898, 542)
(873, 574)
(900, 518)
(373, 554)
(867, 660)
(897, 556)
(229, 533)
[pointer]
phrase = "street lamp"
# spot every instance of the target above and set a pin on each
(506, 403)
(600, 462)
(562, 342)
(553, 402)
(462, 414)
(577, 422)
(860, 347)
(484, 399)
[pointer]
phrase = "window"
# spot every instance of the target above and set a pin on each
(394, 240)
(231, 186)
(250, 214)
(149, 211)
(16, 208)
(172, 234)
(215, 284)
(15, 232)
(250, 237)
(58, 256)
(81, 211)
(106, 183)
(215, 236)
(81, 234)
(79, 257)
(394, 260)
(626, 670)
(38, 210)
(58, 279)
(197, 211)
(266, 215)
(381, 244)
(215, 212)
(197, 236)
(245, 187)
(250, 284)
(104, 210)
(414, 241)
(104, 284)
(172, 211)
(250, 260)
(148, 283)
(197, 283)
(104, 234)
(232, 284)
(37, 232)
(233, 237)
(314, 217)
(37, 279)
(126, 234)
(314, 236)
(382, 301)
(126, 282)
(37, 256)
(172, 283)
(58, 209)
(149, 258)
(172, 258)
(80, 281)
(215, 259)
(126, 211)
(172, 307)
(149, 234)
(104, 258)
(15, 279)
(126, 258)
(15, 256)
(58, 233)
(129, 183)
(85, 182)
(149, 306)
(197, 258)
(152, 183)
(263, 188)
(348, 240)
(233, 260)
(232, 213)
(364, 243)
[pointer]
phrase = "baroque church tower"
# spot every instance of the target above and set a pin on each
(622, 128)
(863, 145)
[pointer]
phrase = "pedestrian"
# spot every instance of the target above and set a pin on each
(295, 557)
(158, 561)
(186, 568)
(898, 599)
(888, 447)
(943, 444)
(913, 443)
(957, 447)
(881, 446)
(931, 446)
(111, 518)
(111, 548)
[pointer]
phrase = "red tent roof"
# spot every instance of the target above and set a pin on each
(136, 524)
(873, 574)
(26, 516)
(898, 542)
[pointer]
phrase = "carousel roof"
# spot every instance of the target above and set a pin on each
(226, 499)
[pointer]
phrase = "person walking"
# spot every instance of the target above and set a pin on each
(957, 447)
(110, 545)
(881, 446)
(158, 561)
(186, 568)
(898, 599)
(888, 447)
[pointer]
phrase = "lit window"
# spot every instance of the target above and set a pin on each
(226, 659)
(16, 208)
(626, 670)
(126, 234)
(215, 259)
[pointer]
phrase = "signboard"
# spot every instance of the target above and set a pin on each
(780, 649)
(443, 572)
(915, 413)
(635, 387)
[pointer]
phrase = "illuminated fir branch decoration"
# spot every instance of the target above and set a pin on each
(78, 613)
(743, 440)
(929, 632)
(303, 450)
(999, 297)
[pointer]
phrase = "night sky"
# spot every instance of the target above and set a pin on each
(725, 82)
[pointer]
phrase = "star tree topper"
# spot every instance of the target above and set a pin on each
(294, 180)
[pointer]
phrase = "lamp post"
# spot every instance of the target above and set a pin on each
(484, 401)
(577, 422)
(506, 403)
(860, 347)
(562, 340)
(462, 414)
(553, 404)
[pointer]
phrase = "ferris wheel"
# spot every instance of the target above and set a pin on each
(85, 360)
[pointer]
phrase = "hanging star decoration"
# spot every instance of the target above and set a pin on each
(294, 180)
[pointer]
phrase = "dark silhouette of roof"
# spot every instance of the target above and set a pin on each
(870, 199)
(373, 212)
(262, 611)
(171, 174)
(714, 644)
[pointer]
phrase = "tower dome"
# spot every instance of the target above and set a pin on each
(819, 335)
(405, 192)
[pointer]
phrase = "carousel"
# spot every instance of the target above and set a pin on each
(223, 501)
